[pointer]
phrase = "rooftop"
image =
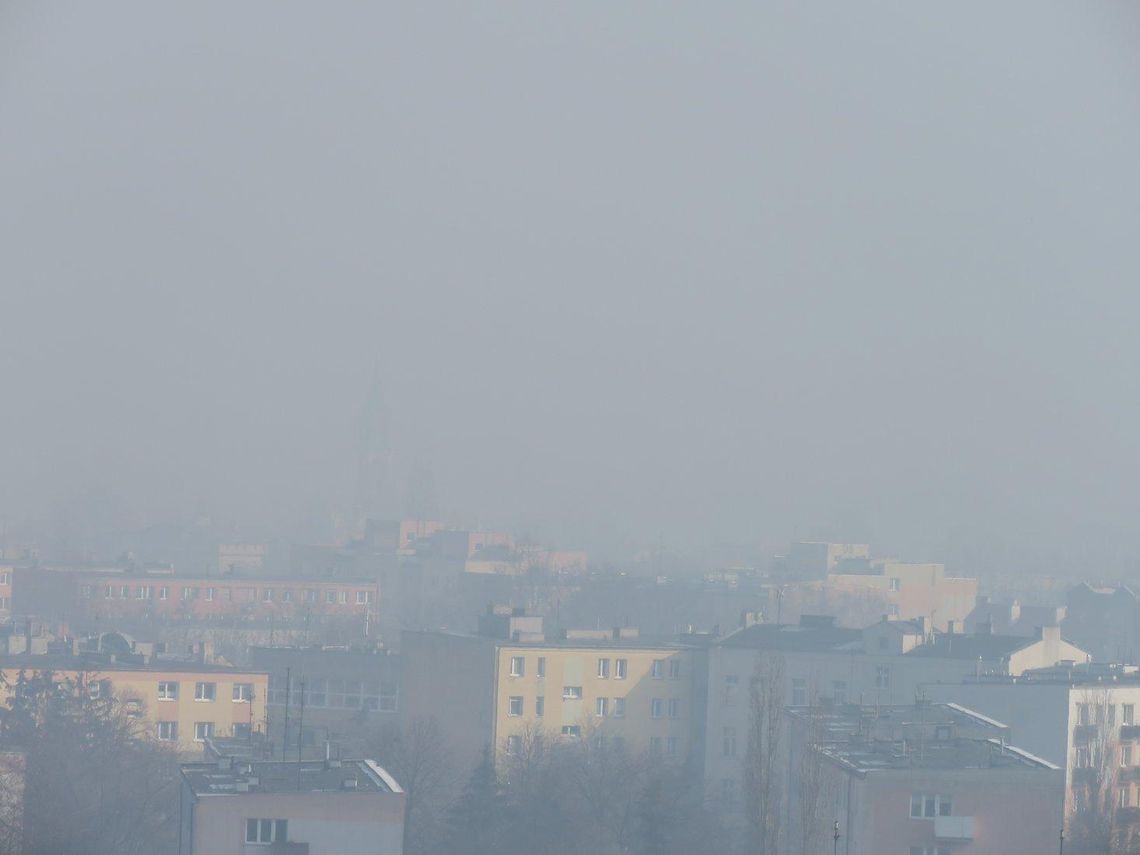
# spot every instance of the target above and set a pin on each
(97, 664)
(916, 736)
(988, 647)
(228, 777)
(801, 637)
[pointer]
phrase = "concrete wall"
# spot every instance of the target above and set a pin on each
(361, 823)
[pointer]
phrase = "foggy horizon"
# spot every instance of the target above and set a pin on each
(620, 277)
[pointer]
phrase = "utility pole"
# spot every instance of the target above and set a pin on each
(288, 692)
(835, 838)
(1061, 851)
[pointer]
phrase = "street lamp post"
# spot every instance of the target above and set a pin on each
(835, 838)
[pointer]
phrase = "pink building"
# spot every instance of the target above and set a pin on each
(330, 807)
(921, 779)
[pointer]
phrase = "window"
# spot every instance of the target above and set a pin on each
(1125, 797)
(203, 730)
(363, 598)
(242, 730)
(655, 745)
(892, 609)
(518, 666)
(124, 591)
(540, 706)
(142, 592)
(243, 693)
(267, 595)
(571, 730)
(895, 583)
(619, 707)
(728, 745)
(85, 592)
(164, 593)
(601, 707)
(674, 708)
(4, 579)
(342, 597)
(541, 667)
(514, 745)
(287, 596)
(839, 692)
(674, 669)
(621, 668)
(925, 805)
(330, 597)
(727, 791)
(1084, 716)
(883, 677)
(210, 594)
(167, 731)
(731, 687)
(310, 595)
(266, 830)
(227, 594)
(603, 669)
(205, 691)
(658, 669)
(1081, 761)
(515, 705)
(672, 744)
(108, 592)
(799, 692)
(1126, 755)
(656, 708)
(572, 693)
(188, 593)
(1128, 711)
(95, 690)
(168, 691)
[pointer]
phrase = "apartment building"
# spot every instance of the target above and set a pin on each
(330, 807)
(105, 596)
(7, 571)
(176, 703)
(1084, 719)
(816, 662)
(508, 683)
(910, 591)
(920, 778)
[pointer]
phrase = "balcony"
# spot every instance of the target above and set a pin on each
(953, 828)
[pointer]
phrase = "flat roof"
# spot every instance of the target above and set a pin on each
(570, 643)
(233, 777)
(929, 736)
(100, 664)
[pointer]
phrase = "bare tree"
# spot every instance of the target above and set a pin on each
(421, 761)
(94, 785)
(810, 778)
(1096, 822)
(762, 772)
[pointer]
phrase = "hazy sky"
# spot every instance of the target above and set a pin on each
(697, 272)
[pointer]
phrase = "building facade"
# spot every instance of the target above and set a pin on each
(236, 807)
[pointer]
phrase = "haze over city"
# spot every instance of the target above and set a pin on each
(623, 277)
(587, 429)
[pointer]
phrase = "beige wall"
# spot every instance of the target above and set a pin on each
(578, 667)
(141, 688)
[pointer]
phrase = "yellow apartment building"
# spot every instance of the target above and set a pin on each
(508, 684)
(179, 704)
